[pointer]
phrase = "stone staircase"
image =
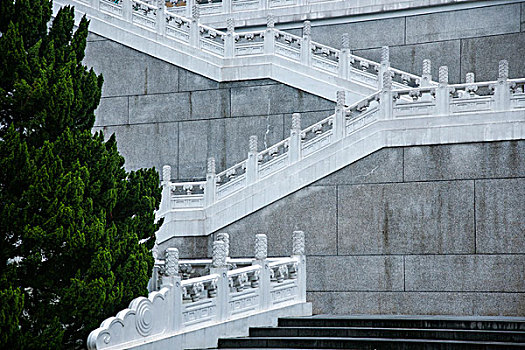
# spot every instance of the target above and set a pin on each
(386, 332)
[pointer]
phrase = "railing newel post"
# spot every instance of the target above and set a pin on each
(172, 280)
(384, 66)
(261, 255)
(161, 18)
(229, 40)
(210, 189)
(443, 92)
(227, 7)
(295, 139)
(344, 58)
(219, 267)
(252, 164)
(189, 8)
(127, 10)
(306, 53)
(339, 122)
(194, 27)
(166, 190)
(95, 4)
(298, 251)
(502, 88)
(269, 36)
(386, 97)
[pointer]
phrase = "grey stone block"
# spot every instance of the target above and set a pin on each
(354, 273)
(210, 104)
(312, 209)
(406, 218)
(490, 20)
(465, 273)
(409, 58)
(147, 145)
(159, 108)
(112, 111)
(200, 140)
(500, 216)
(481, 56)
(123, 68)
(366, 34)
(189, 247)
(418, 303)
(274, 99)
(189, 81)
(385, 165)
(269, 130)
(160, 76)
(465, 161)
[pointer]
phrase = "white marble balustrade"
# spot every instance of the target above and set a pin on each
(181, 39)
(178, 306)
(431, 114)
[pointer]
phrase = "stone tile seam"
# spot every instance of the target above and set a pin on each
(203, 119)
(416, 291)
(470, 38)
(419, 181)
(409, 255)
(197, 90)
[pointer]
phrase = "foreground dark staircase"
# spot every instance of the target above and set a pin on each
(385, 332)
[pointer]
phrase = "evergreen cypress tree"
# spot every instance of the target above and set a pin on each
(76, 228)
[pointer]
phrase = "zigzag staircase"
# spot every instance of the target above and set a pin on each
(377, 106)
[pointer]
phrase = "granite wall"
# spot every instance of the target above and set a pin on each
(413, 230)
(162, 114)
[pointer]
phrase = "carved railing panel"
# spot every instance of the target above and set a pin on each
(227, 292)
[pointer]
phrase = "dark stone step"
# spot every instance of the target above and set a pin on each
(361, 343)
(404, 333)
(432, 322)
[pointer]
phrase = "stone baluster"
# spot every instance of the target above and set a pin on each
(298, 243)
(344, 58)
(443, 92)
(219, 267)
(127, 10)
(295, 139)
(384, 66)
(194, 27)
(160, 19)
(165, 200)
(171, 279)
(269, 36)
(471, 88)
(211, 183)
(385, 99)
(502, 88)
(339, 122)
(224, 237)
(251, 163)
(298, 251)
(306, 53)
(261, 255)
(426, 77)
(229, 40)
